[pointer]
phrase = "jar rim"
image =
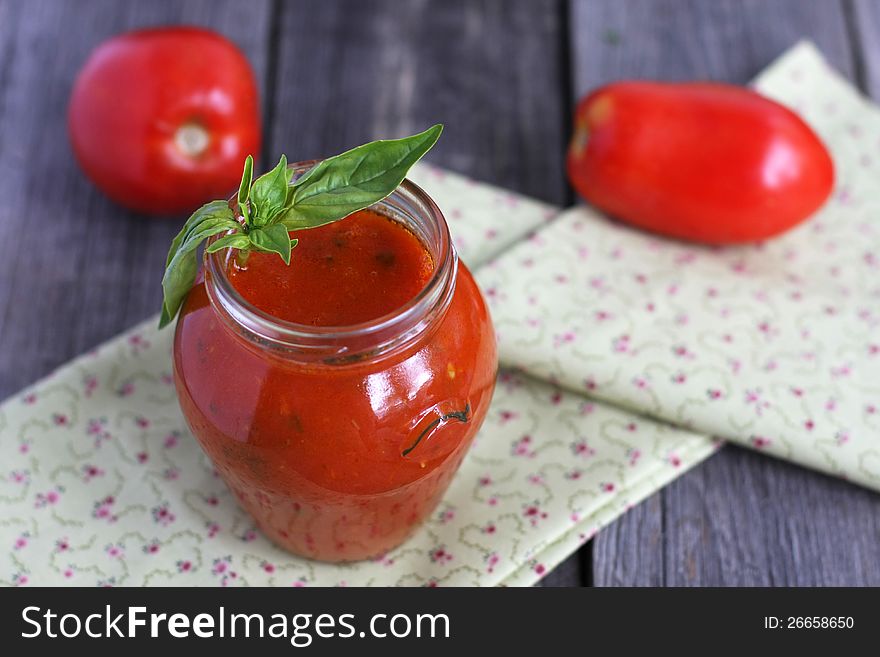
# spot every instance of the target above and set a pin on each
(379, 335)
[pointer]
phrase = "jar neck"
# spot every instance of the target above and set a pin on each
(382, 337)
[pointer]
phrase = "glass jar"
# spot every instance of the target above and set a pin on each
(339, 440)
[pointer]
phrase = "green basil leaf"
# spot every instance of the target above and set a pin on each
(181, 264)
(181, 271)
(176, 284)
(244, 189)
(272, 239)
(214, 208)
(291, 220)
(354, 180)
(269, 193)
(234, 241)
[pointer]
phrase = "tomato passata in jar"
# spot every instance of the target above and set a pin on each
(337, 396)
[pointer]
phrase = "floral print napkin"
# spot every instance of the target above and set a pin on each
(102, 484)
(775, 346)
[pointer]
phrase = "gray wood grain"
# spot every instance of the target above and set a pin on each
(740, 518)
(76, 269)
(864, 23)
(729, 40)
(491, 71)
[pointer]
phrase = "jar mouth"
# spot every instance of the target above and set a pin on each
(408, 205)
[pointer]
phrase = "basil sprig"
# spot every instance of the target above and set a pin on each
(271, 206)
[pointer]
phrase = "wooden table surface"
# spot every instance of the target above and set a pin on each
(503, 76)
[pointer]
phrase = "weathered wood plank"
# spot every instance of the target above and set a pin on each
(743, 519)
(739, 518)
(76, 268)
(631, 551)
(491, 71)
(864, 21)
(729, 40)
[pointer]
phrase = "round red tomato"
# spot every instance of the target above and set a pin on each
(700, 161)
(162, 119)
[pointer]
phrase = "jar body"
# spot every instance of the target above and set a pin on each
(337, 462)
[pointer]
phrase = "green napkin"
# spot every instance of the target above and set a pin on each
(774, 346)
(103, 484)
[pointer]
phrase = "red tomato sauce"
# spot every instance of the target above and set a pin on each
(342, 273)
(337, 462)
